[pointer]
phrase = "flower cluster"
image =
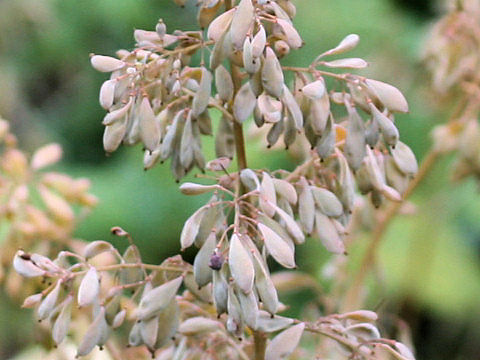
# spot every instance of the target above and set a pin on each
(38, 209)
(156, 96)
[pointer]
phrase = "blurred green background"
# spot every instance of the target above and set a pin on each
(49, 92)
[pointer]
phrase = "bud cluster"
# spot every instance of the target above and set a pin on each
(453, 59)
(156, 97)
(38, 209)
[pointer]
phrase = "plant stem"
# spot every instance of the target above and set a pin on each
(354, 296)
(260, 339)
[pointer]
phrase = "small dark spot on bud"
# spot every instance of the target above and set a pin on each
(216, 261)
(269, 146)
(25, 256)
(100, 348)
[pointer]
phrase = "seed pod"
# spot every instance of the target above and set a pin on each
(56, 205)
(269, 324)
(25, 267)
(389, 131)
(267, 198)
(272, 74)
(134, 337)
(363, 331)
(319, 113)
(220, 50)
(249, 308)
(328, 235)
(207, 13)
(191, 227)
(259, 41)
(315, 90)
(293, 108)
(404, 159)
(327, 202)
(202, 96)
(149, 331)
(117, 114)
(388, 95)
(274, 133)
(285, 189)
(291, 34)
(240, 264)
(219, 164)
(234, 320)
(264, 285)
(107, 92)
(95, 248)
(345, 184)
(149, 132)
(196, 189)
(48, 304)
(255, 83)
(97, 334)
(158, 299)
(186, 144)
(277, 247)
(119, 319)
(46, 155)
(348, 43)
(404, 351)
(224, 84)
(281, 48)
(201, 269)
(372, 133)
(62, 323)
(284, 343)
(326, 143)
(220, 292)
(197, 325)
(113, 135)
(89, 288)
(355, 142)
(290, 133)
(292, 227)
(168, 321)
(306, 206)
(32, 301)
(360, 315)
(249, 179)
(348, 63)
(250, 63)
(242, 22)
(244, 103)
(224, 139)
(270, 108)
(220, 25)
(106, 63)
(130, 275)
